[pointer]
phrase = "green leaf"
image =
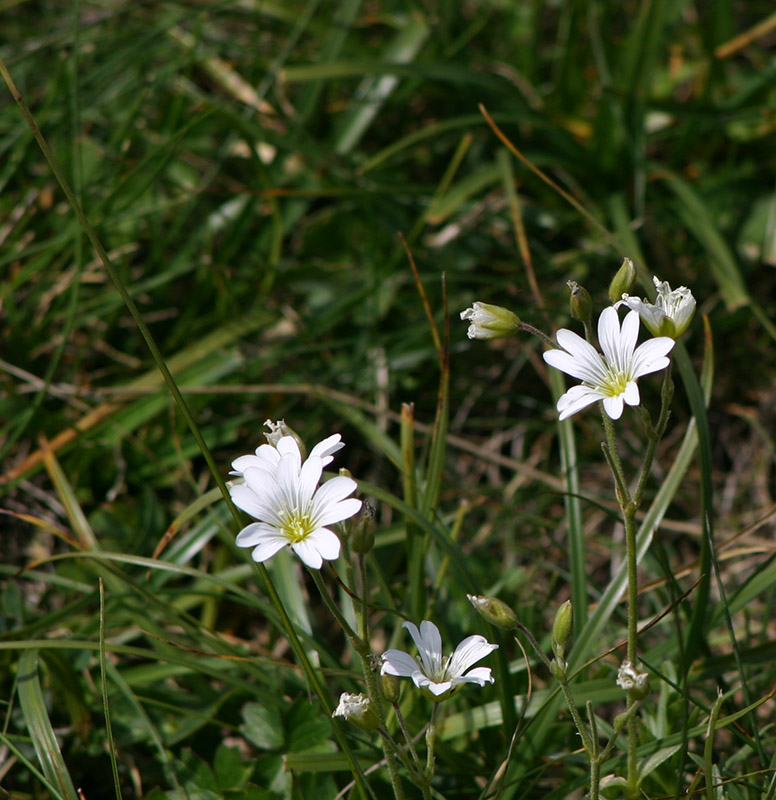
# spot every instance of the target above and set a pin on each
(262, 726)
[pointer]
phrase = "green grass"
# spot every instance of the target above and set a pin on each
(248, 168)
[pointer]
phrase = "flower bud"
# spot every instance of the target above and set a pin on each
(580, 303)
(562, 627)
(391, 687)
(495, 611)
(357, 709)
(623, 280)
(490, 322)
(362, 531)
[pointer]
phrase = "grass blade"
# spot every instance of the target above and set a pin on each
(36, 717)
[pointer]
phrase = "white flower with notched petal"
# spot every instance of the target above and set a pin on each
(283, 494)
(435, 676)
(669, 315)
(610, 377)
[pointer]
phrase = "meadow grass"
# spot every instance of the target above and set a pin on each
(247, 169)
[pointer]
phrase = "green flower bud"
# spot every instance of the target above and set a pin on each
(623, 281)
(357, 709)
(495, 611)
(391, 687)
(580, 303)
(490, 322)
(562, 627)
(362, 531)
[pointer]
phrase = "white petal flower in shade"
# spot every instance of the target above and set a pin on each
(611, 376)
(669, 315)
(282, 493)
(487, 321)
(438, 677)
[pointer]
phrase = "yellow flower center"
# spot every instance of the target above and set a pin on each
(297, 525)
(616, 382)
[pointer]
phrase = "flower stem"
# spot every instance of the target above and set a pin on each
(359, 645)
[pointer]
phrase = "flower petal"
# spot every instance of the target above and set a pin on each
(429, 644)
(325, 449)
(266, 549)
(613, 406)
(326, 542)
(480, 675)
(435, 688)
(399, 663)
(257, 532)
(262, 507)
(631, 394)
(337, 512)
(335, 490)
(590, 370)
(577, 398)
(308, 552)
(651, 356)
(471, 650)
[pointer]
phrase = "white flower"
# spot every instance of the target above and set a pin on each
(283, 494)
(435, 676)
(490, 322)
(671, 313)
(610, 377)
(357, 708)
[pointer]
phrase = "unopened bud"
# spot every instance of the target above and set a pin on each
(391, 687)
(580, 303)
(562, 627)
(623, 281)
(362, 532)
(495, 611)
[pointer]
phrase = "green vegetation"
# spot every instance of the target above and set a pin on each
(250, 169)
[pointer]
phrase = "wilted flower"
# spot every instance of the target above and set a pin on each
(610, 377)
(358, 709)
(435, 676)
(633, 680)
(671, 313)
(490, 322)
(283, 494)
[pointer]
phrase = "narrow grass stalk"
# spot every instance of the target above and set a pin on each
(105, 702)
